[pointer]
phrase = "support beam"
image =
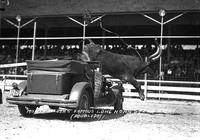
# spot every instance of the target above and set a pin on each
(34, 35)
(100, 37)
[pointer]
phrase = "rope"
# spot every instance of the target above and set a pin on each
(106, 30)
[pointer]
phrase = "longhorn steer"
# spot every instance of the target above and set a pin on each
(123, 67)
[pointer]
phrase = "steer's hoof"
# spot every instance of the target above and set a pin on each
(142, 97)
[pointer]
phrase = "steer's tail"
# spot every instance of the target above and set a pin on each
(157, 54)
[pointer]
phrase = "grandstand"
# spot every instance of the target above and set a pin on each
(57, 36)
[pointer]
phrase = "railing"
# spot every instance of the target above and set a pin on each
(7, 80)
(177, 90)
(167, 90)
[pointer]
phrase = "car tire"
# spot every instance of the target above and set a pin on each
(26, 111)
(118, 104)
(85, 101)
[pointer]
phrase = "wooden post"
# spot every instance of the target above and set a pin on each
(145, 82)
(84, 30)
(45, 41)
(161, 43)
(34, 35)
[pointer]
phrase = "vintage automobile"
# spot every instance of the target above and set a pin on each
(65, 84)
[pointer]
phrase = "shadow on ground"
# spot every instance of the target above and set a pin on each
(82, 115)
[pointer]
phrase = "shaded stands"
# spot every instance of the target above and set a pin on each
(182, 66)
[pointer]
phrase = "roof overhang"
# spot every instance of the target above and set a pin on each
(29, 8)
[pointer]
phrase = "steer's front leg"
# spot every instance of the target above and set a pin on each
(137, 87)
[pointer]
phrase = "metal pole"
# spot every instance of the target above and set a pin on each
(145, 82)
(84, 28)
(34, 36)
(0, 23)
(17, 47)
(4, 84)
(160, 68)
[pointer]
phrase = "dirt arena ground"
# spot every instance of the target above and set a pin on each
(148, 120)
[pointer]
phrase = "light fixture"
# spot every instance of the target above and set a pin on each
(7, 2)
(18, 18)
(162, 12)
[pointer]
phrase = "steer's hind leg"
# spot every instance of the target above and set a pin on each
(137, 87)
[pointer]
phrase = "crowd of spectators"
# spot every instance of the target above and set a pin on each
(181, 65)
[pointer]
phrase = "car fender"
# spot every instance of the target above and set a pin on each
(78, 89)
(118, 90)
(22, 85)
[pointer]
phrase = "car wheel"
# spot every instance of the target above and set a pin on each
(26, 111)
(84, 102)
(118, 104)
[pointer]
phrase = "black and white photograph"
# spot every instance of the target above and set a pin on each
(100, 69)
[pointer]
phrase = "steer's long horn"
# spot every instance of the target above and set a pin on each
(158, 52)
(85, 56)
(90, 40)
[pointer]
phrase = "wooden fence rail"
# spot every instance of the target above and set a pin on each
(180, 90)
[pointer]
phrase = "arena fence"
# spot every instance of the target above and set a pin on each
(177, 90)
(166, 90)
(153, 89)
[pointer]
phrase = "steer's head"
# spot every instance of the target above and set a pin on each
(90, 52)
